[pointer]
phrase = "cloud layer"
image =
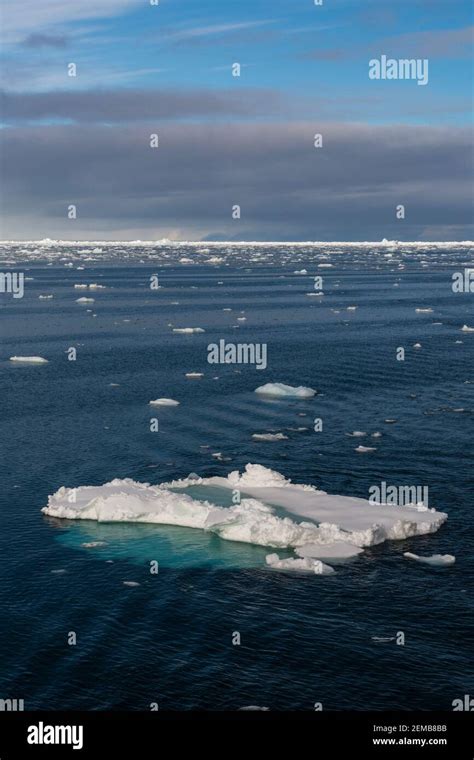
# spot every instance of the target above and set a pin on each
(287, 188)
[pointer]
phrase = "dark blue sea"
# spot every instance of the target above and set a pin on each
(305, 639)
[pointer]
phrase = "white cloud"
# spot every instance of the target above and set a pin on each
(18, 20)
(206, 31)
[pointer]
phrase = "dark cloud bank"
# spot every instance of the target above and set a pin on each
(287, 189)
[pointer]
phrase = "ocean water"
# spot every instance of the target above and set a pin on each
(169, 640)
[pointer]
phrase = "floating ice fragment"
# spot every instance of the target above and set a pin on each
(465, 328)
(164, 402)
(435, 560)
(302, 565)
(29, 359)
(85, 300)
(364, 449)
(269, 437)
(280, 390)
(188, 330)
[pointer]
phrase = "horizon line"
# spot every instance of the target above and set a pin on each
(204, 243)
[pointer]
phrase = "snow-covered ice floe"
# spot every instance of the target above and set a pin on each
(280, 390)
(273, 512)
(436, 560)
(466, 328)
(29, 359)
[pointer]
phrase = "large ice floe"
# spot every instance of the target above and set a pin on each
(273, 512)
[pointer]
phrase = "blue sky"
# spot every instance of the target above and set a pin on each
(170, 66)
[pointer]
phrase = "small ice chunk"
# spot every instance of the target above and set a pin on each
(188, 330)
(164, 402)
(364, 449)
(29, 359)
(269, 437)
(465, 328)
(302, 565)
(130, 583)
(351, 308)
(435, 560)
(194, 374)
(280, 390)
(85, 300)
(357, 434)
(417, 345)
(424, 311)
(45, 298)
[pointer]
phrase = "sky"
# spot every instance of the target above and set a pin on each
(228, 141)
